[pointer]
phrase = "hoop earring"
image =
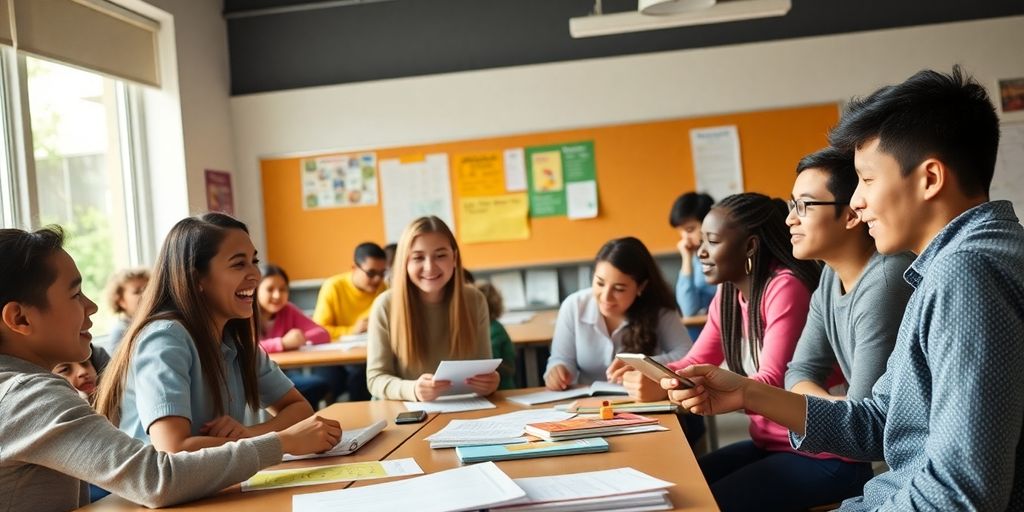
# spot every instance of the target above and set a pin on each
(749, 266)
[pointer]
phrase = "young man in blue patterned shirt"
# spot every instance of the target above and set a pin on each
(947, 414)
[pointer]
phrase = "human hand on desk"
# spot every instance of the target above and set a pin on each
(717, 391)
(428, 389)
(293, 339)
(642, 389)
(558, 378)
(311, 435)
(225, 426)
(484, 384)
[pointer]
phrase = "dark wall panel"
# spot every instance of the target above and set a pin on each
(398, 38)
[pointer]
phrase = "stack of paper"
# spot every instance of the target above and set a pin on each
(501, 429)
(612, 489)
(454, 403)
(543, 397)
(351, 440)
(467, 488)
(592, 426)
(472, 454)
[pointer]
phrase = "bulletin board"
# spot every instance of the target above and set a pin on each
(641, 168)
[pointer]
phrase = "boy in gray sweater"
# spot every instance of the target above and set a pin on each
(856, 311)
(52, 440)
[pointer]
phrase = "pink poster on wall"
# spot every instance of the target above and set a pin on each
(219, 197)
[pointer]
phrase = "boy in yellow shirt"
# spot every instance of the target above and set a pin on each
(342, 307)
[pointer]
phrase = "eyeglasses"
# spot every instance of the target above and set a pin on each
(372, 274)
(801, 205)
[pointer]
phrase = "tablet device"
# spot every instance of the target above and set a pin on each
(652, 369)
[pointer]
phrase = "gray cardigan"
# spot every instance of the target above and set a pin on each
(52, 440)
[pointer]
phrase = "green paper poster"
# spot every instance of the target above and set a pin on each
(551, 170)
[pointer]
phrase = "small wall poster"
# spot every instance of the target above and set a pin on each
(219, 197)
(337, 181)
(562, 180)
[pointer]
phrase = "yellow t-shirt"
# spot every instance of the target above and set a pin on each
(340, 305)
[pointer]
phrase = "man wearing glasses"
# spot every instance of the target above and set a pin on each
(343, 308)
(856, 311)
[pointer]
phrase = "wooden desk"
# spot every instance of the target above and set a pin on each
(528, 336)
(664, 455)
(293, 359)
(350, 414)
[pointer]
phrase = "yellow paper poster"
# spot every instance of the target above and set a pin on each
(547, 171)
(480, 174)
(327, 474)
(493, 218)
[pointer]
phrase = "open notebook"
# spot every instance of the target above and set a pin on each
(351, 440)
(543, 397)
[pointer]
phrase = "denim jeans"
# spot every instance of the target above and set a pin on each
(745, 477)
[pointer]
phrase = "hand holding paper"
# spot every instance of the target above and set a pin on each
(467, 376)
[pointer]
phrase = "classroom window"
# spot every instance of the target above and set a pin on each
(83, 173)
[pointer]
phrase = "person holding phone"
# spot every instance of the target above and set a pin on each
(754, 323)
(630, 308)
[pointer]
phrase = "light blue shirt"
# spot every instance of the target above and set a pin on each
(583, 344)
(166, 379)
(694, 294)
(948, 413)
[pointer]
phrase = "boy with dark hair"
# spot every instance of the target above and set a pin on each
(856, 310)
(343, 308)
(947, 415)
(693, 293)
(52, 439)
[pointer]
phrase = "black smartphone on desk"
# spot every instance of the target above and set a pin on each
(410, 417)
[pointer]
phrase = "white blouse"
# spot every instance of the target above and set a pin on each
(583, 345)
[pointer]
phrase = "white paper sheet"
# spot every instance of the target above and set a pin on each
(276, 479)
(542, 287)
(515, 170)
(351, 440)
(454, 403)
(415, 189)
(516, 317)
(591, 484)
(510, 285)
(716, 160)
(458, 371)
(581, 199)
(465, 488)
(501, 429)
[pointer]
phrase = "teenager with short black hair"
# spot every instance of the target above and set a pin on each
(693, 293)
(948, 413)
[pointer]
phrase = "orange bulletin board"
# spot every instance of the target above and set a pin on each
(641, 168)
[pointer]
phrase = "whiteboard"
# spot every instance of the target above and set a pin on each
(1008, 181)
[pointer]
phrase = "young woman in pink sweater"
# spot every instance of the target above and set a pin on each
(754, 322)
(283, 326)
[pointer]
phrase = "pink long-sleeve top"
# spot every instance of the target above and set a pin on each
(287, 319)
(784, 310)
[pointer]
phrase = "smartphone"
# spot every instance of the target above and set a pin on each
(410, 417)
(652, 369)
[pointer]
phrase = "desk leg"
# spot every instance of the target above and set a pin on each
(532, 374)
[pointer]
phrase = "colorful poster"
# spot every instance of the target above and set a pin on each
(335, 181)
(219, 197)
(480, 174)
(415, 187)
(493, 218)
(556, 175)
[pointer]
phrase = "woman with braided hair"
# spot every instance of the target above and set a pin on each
(754, 322)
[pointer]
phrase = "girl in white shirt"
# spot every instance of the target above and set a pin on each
(630, 308)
